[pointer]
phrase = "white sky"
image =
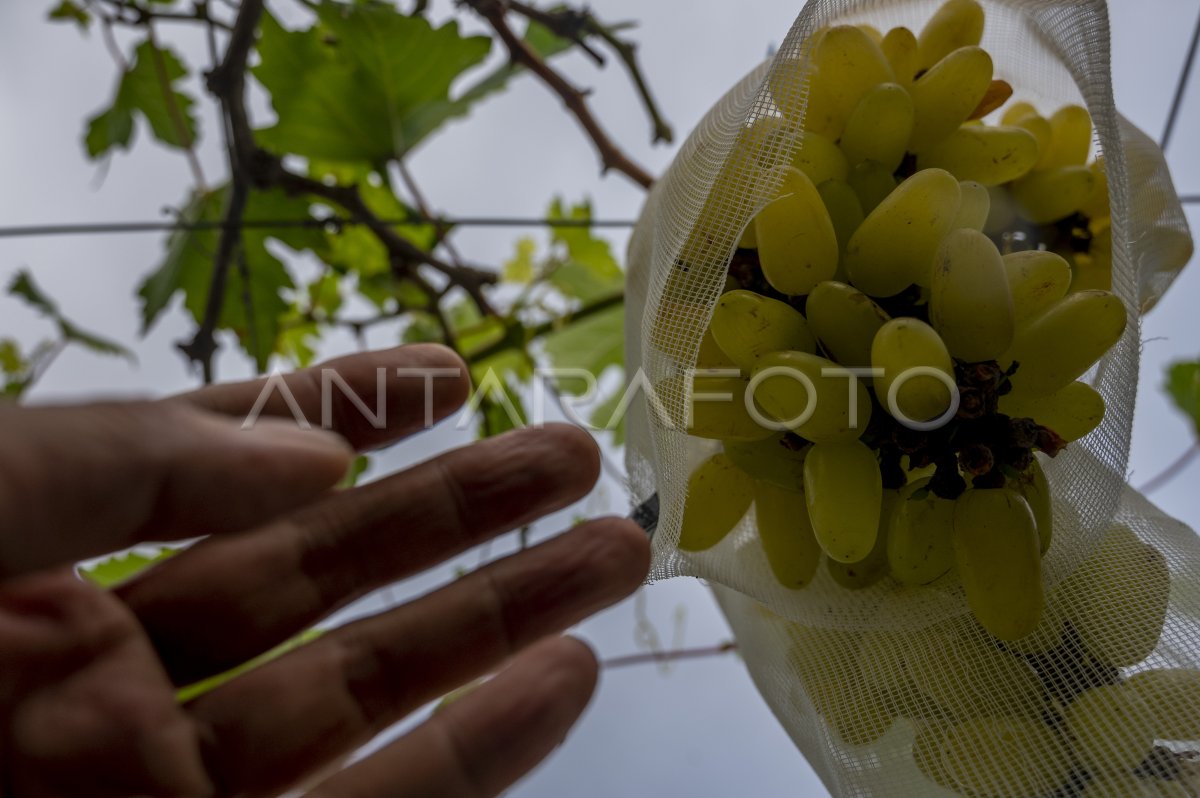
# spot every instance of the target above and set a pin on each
(701, 730)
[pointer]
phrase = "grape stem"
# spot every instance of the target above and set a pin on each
(1171, 471)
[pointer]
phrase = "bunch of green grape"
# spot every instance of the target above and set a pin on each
(903, 328)
(1051, 714)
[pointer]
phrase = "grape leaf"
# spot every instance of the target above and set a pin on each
(121, 567)
(360, 87)
(602, 416)
(593, 343)
(589, 271)
(253, 307)
(146, 89)
(519, 268)
(68, 11)
(23, 287)
(1183, 386)
(11, 361)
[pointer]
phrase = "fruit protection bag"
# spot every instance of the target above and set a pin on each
(889, 683)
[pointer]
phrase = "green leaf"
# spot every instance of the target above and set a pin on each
(298, 341)
(422, 328)
(120, 567)
(23, 287)
(146, 89)
(254, 305)
(364, 85)
(1183, 385)
(355, 249)
(593, 343)
(11, 361)
(67, 11)
(193, 691)
(519, 268)
(325, 294)
(602, 416)
(589, 271)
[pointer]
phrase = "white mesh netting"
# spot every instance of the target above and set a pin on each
(856, 676)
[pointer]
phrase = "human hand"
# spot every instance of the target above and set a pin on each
(88, 677)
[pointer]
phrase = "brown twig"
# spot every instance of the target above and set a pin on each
(228, 84)
(1173, 470)
(611, 156)
(577, 25)
(659, 657)
(134, 15)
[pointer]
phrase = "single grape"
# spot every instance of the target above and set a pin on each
(786, 534)
(1005, 757)
(970, 305)
(1072, 412)
(844, 208)
(797, 245)
(947, 95)
(768, 460)
(1049, 195)
(985, 154)
(1071, 131)
(791, 385)
(879, 127)
(819, 158)
(718, 409)
(870, 569)
(895, 245)
(710, 355)
(920, 536)
(1058, 346)
(901, 346)
(957, 23)
(900, 48)
(747, 325)
(844, 492)
(872, 183)
(1035, 489)
(973, 207)
(1111, 728)
(999, 562)
(719, 494)
(844, 321)
(846, 64)
(1036, 279)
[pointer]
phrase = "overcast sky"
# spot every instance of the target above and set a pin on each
(700, 730)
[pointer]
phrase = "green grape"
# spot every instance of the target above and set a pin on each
(1052, 194)
(790, 385)
(844, 208)
(900, 48)
(844, 321)
(1071, 138)
(719, 494)
(999, 562)
(769, 460)
(824, 663)
(970, 305)
(1097, 205)
(895, 245)
(1058, 346)
(871, 31)
(1071, 412)
(879, 127)
(1005, 757)
(846, 64)
(902, 345)
(1173, 697)
(974, 206)
(786, 534)
(710, 355)
(819, 158)
(947, 95)
(1018, 111)
(1111, 728)
(844, 491)
(1117, 600)
(928, 737)
(1036, 279)
(748, 239)
(987, 155)
(1046, 636)
(870, 569)
(797, 246)
(1039, 128)
(1035, 489)
(747, 325)
(872, 182)
(963, 671)
(920, 536)
(958, 23)
(718, 410)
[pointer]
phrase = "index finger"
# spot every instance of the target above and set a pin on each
(370, 399)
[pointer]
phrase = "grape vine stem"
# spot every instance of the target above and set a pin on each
(674, 655)
(1171, 471)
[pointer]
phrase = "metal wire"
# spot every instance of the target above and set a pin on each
(1180, 88)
